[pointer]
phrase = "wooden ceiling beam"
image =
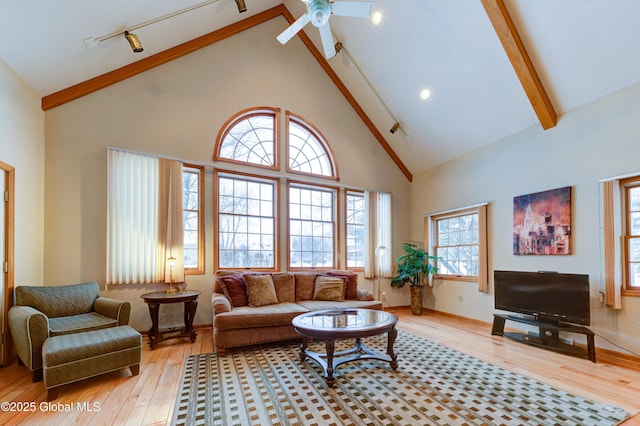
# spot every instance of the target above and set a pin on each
(521, 62)
(100, 82)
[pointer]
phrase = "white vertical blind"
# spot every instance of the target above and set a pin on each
(370, 203)
(132, 227)
(377, 235)
(384, 234)
(144, 218)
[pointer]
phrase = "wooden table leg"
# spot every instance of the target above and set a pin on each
(154, 308)
(331, 346)
(189, 314)
(391, 338)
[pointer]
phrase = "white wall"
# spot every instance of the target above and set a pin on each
(22, 147)
(177, 110)
(590, 143)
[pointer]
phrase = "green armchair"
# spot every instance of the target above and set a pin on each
(43, 312)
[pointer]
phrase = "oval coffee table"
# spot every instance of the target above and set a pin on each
(332, 325)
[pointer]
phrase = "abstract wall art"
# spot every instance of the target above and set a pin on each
(542, 223)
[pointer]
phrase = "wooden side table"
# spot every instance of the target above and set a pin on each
(155, 299)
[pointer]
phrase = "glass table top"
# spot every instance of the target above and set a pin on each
(344, 319)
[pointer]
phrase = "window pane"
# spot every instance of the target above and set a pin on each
(355, 230)
(251, 140)
(246, 223)
(311, 229)
(192, 215)
(457, 245)
(307, 153)
(634, 250)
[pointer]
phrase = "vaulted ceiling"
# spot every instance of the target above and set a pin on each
(493, 67)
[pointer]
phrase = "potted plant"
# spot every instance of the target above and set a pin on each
(413, 267)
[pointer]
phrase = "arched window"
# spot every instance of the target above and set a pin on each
(246, 201)
(250, 137)
(308, 153)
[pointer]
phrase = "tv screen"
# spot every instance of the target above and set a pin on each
(547, 296)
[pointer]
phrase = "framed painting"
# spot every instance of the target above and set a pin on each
(542, 223)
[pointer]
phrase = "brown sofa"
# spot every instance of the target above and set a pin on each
(253, 308)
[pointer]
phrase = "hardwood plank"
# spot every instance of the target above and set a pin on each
(149, 398)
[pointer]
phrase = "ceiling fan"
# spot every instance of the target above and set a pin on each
(319, 12)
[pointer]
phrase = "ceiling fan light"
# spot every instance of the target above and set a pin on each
(134, 42)
(319, 12)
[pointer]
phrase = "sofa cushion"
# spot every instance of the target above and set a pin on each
(328, 288)
(304, 285)
(351, 283)
(260, 290)
(79, 323)
(263, 316)
(285, 284)
(234, 288)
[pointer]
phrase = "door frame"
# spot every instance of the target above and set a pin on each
(9, 251)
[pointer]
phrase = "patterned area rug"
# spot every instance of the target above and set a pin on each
(433, 385)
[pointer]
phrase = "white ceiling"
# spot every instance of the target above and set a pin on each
(581, 49)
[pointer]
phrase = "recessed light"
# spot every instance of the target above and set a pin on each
(376, 17)
(424, 94)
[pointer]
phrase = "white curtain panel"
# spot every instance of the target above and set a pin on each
(385, 269)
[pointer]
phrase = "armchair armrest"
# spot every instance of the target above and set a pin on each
(365, 295)
(220, 303)
(29, 329)
(111, 308)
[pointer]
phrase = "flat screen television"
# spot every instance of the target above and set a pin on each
(547, 296)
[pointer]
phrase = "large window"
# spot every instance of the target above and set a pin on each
(459, 239)
(355, 223)
(631, 269)
(246, 222)
(312, 226)
(457, 244)
(192, 183)
(246, 199)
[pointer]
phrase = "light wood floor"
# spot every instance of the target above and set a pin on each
(148, 399)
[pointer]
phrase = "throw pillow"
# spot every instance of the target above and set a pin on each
(351, 283)
(235, 288)
(260, 290)
(329, 288)
(285, 284)
(304, 285)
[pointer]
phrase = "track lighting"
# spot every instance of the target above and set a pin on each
(395, 128)
(134, 41)
(241, 6)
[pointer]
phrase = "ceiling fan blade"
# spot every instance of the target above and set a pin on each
(327, 41)
(293, 29)
(358, 9)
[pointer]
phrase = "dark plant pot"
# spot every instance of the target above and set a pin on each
(417, 294)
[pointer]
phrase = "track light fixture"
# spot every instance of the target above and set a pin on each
(395, 128)
(134, 41)
(241, 6)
